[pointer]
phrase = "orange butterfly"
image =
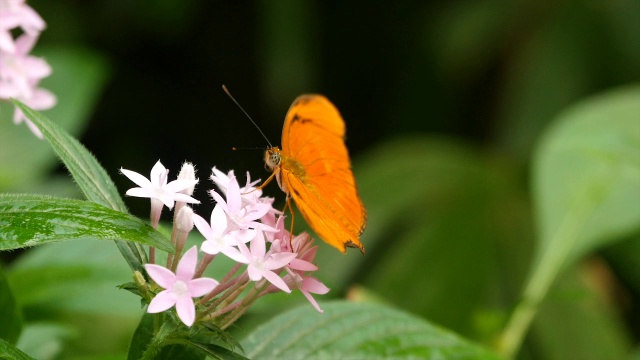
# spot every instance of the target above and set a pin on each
(314, 169)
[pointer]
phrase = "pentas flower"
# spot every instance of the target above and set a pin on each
(20, 74)
(262, 264)
(244, 216)
(307, 285)
(13, 14)
(298, 270)
(275, 259)
(217, 237)
(180, 288)
(158, 190)
(250, 194)
(299, 245)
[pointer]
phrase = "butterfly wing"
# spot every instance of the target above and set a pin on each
(316, 172)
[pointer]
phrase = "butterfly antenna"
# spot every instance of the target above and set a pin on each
(247, 114)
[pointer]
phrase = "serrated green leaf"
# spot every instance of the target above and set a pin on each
(92, 179)
(9, 312)
(8, 351)
(29, 220)
(356, 331)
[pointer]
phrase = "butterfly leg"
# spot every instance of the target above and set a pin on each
(264, 183)
(284, 209)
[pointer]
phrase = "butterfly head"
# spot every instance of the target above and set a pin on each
(272, 158)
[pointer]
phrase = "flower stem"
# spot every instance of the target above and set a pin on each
(202, 265)
(234, 289)
(248, 300)
(545, 272)
(224, 284)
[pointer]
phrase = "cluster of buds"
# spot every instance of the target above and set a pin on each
(20, 73)
(274, 260)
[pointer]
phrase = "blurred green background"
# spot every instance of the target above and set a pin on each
(444, 104)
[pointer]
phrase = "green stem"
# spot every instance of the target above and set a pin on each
(548, 267)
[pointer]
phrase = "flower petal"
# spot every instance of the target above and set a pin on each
(138, 179)
(276, 280)
(301, 265)
(314, 285)
(210, 246)
(277, 261)
(203, 226)
(312, 301)
(140, 192)
(186, 310)
(161, 302)
(218, 219)
(157, 172)
(179, 185)
(184, 198)
(258, 246)
(161, 275)
(187, 265)
(254, 273)
(235, 254)
(201, 286)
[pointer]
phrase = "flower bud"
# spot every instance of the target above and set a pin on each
(140, 281)
(184, 220)
(187, 172)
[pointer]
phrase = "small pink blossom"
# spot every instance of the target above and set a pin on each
(13, 14)
(20, 74)
(157, 187)
(180, 288)
(243, 215)
(217, 237)
(309, 285)
(262, 264)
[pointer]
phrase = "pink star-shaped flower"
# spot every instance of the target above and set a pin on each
(218, 238)
(243, 215)
(307, 285)
(157, 188)
(262, 264)
(20, 74)
(180, 288)
(13, 14)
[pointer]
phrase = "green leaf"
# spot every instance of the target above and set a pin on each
(92, 179)
(48, 279)
(29, 220)
(45, 341)
(8, 351)
(358, 331)
(586, 178)
(195, 343)
(83, 166)
(9, 312)
(589, 164)
(142, 337)
(212, 350)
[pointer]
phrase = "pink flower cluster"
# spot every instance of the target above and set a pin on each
(275, 260)
(20, 73)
